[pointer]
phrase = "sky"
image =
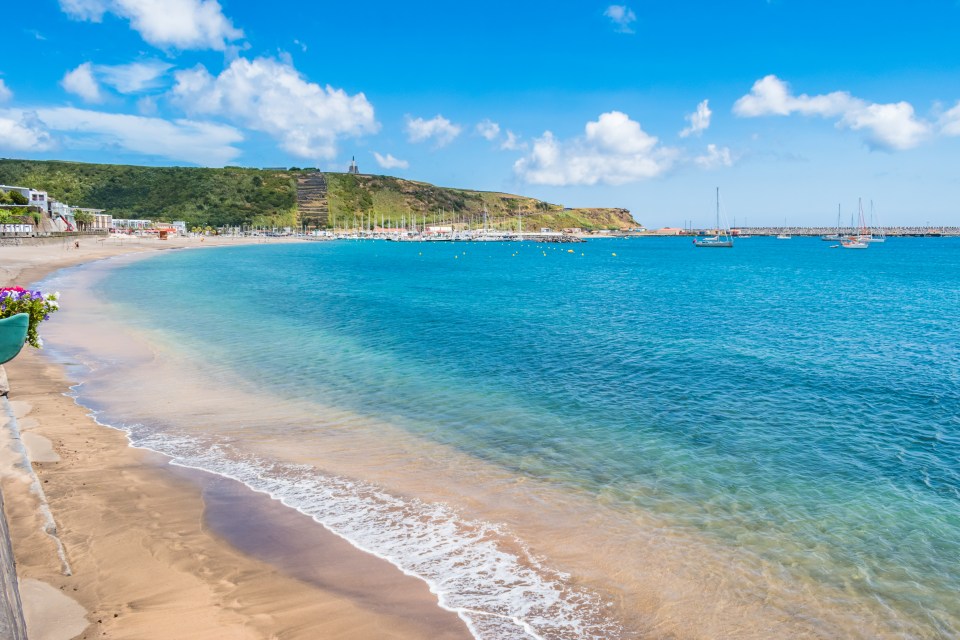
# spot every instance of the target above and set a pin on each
(793, 108)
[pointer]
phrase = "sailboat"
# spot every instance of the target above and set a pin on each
(853, 243)
(783, 235)
(723, 239)
(859, 241)
(834, 237)
(871, 237)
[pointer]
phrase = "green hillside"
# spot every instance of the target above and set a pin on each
(201, 197)
(395, 199)
(238, 196)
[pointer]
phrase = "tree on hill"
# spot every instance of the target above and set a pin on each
(15, 197)
(83, 218)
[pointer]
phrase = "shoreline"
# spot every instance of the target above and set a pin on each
(636, 571)
(157, 550)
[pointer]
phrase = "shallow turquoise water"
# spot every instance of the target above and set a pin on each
(796, 401)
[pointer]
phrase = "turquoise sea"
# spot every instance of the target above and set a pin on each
(621, 438)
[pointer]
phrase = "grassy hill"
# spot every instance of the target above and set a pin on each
(201, 197)
(394, 199)
(235, 196)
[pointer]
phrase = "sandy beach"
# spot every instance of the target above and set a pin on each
(112, 542)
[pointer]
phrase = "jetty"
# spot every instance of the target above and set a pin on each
(895, 232)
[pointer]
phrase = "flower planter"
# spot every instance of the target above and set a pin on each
(36, 305)
(13, 335)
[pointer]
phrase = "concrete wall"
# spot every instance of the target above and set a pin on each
(12, 626)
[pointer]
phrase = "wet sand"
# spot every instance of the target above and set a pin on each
(155, 551)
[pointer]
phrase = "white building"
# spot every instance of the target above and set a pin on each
(180, 226)
(127, 224)
(101, 220)
(61, 215)
(16, 228)
(34, 197)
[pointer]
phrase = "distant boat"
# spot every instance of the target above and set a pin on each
(723, 239)
(853, 243)
(834, 237)
(863, 236)
(861, 240)
(879, 236)
(783, 235)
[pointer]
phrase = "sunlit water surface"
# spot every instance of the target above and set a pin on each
(630, 438)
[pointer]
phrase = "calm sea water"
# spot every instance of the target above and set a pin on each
(793, 408)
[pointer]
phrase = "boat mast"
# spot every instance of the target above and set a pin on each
(718, 212)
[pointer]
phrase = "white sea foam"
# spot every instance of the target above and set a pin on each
(475, 568)
(501, 593)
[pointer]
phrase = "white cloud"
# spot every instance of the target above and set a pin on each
(622, 16)
(22, 131)
(950, 121)
(512, 143)
(184, 24)
(888, 126)
(614, 150)
(438, 129)
(715, 157)
(488, 129)
(891, 126)
(270, 96)
(491, 131)
(5, 93)
(771, 96)
(203, 143)
(147, 105)
(91, 10)
(302, 45)
(389, 162)
(699, 120)
(81, 82)
(134, 77)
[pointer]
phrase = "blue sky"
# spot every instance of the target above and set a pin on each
(791, 107)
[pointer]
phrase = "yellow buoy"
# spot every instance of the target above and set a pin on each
(614, 255)
(569, 250)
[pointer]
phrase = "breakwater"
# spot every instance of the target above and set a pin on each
(900, 231)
